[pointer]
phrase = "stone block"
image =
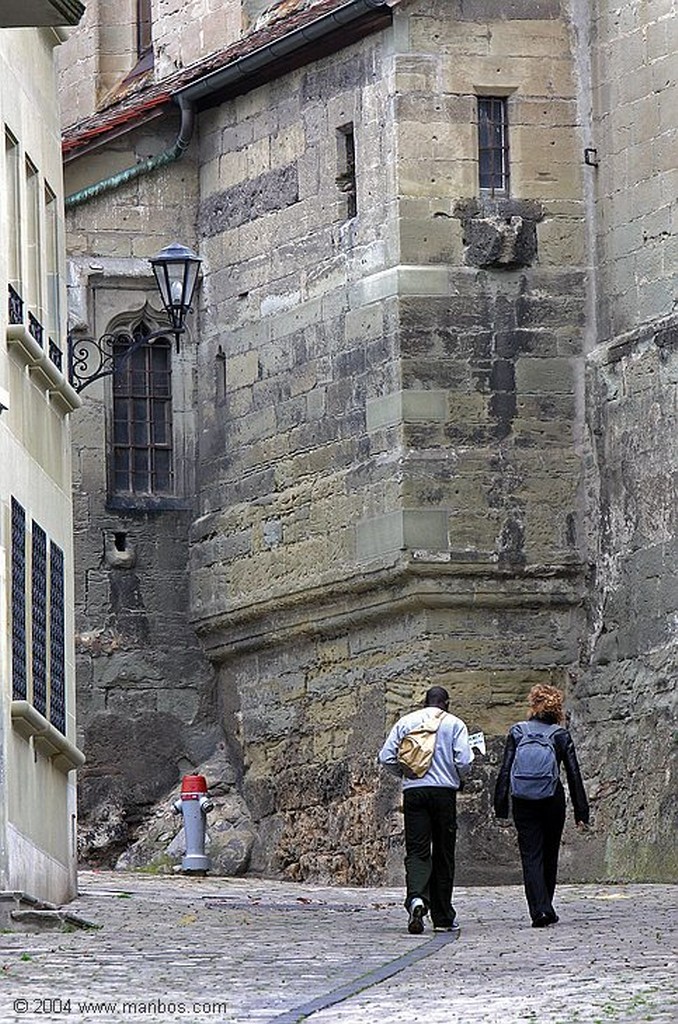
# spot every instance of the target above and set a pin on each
(411, 528)
(242, 371)
(406, 406)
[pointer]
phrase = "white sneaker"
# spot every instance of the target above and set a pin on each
(415, 925)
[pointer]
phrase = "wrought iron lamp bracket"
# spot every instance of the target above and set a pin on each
(91, 359)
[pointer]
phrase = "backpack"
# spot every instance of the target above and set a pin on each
(415, 752)
(534, 772)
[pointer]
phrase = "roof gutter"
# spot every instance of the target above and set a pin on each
(212, 85)
(254, 63)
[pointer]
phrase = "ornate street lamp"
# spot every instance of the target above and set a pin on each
(176, 270)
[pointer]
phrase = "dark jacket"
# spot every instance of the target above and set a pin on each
(565, 754)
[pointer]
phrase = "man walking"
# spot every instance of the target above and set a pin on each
(430, 808)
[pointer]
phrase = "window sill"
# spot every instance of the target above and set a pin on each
(147, 503)
(42, 369)
(46, 738)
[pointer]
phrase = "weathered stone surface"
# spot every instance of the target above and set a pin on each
(500, 242)
(249, 200)
(625, 694)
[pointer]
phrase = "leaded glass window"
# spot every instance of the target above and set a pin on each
(142, 418)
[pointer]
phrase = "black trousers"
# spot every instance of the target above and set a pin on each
(540, 824)
(430, 841)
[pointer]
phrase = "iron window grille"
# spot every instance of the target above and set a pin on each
(41, 641)
(493, 144)
(39, 618)
(36, 329)
(57, 632)
(56, 355)
(18, 586)
(16, 307)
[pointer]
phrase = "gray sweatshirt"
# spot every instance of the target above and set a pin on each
(452, 757)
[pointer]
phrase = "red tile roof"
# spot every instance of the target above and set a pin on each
(138, 99)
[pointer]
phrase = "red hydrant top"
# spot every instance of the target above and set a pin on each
(193, 787)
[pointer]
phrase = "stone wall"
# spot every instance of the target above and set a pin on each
(634, 48)
(388, 406)
(414, 447)
(626, 692)
(149, 710)
(626, 696)
(184, 30)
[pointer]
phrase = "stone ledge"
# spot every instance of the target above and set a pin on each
(28, 722)
(42, 369)
(22, 912)
(33, 921)
(411, 584)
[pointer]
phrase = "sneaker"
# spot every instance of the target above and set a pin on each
(415, 925)
(454, 927)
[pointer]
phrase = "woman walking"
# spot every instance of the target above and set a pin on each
(530, 772)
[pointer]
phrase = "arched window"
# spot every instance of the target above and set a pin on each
(142, 418)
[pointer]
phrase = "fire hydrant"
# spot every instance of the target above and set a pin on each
(194, 805)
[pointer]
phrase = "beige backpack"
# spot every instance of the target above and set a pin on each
(415, 752)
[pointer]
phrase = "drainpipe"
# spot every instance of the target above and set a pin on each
(168, 156)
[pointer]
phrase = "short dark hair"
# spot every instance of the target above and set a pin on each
(437, 696)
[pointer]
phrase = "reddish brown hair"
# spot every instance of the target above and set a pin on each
(546, 700)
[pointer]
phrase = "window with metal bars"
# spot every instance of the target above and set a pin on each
(38, 643)
(18, 577)
(142, 418)
(493, 144)
(57, 633)
(39, 618)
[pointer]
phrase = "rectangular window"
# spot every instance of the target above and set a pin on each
(493, 144)
(18, 574)
(52, 297)
(142, 419)
(39, 618)
(13, 191)
(33, 296)
(346, 180)
(144, 27)
(38, 642)
(57, 633)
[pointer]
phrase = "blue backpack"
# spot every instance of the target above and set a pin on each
(534, 772)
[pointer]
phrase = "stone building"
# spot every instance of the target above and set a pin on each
(419, 429)
(38, 755)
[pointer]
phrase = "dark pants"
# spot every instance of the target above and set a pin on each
(540, 824)
(430, 839)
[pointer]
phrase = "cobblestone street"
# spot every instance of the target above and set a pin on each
(241, 950)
